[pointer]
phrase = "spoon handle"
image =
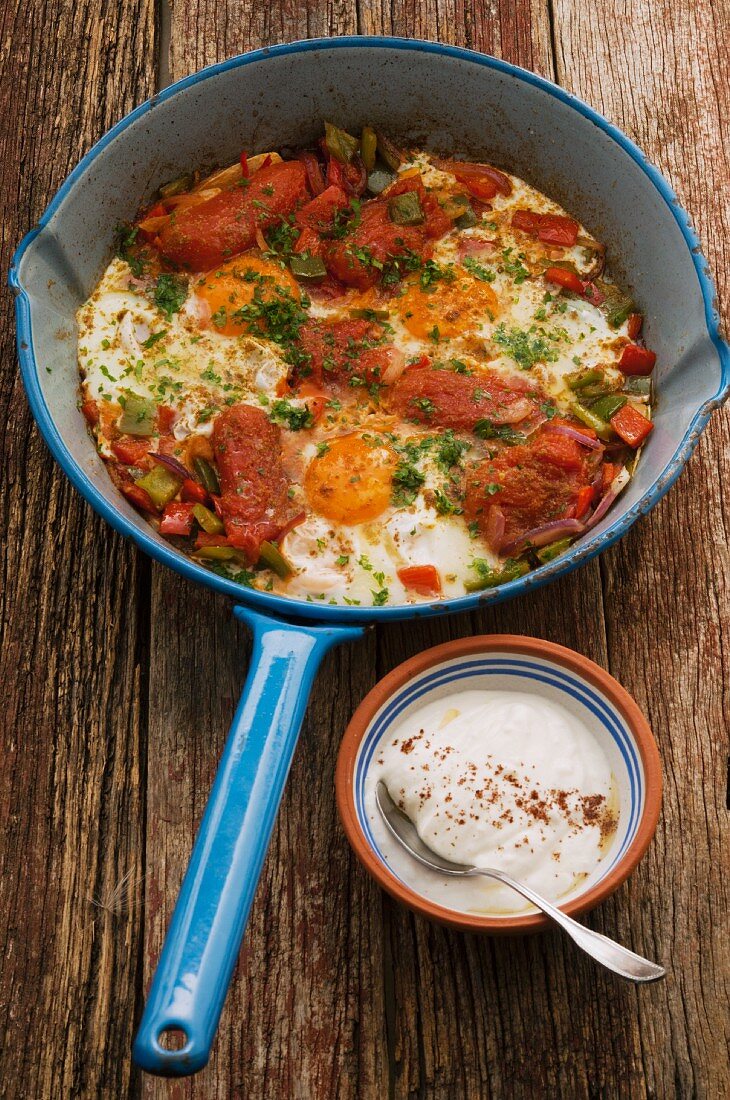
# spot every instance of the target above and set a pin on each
(610, 954)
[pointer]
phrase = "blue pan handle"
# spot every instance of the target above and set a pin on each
(205, 933)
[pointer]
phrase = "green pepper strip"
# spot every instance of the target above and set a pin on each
(208, 520)
(605, 407)
(389, 153)
(218, 553)
(554, 550)
(161, 485)
(307, 268)
(368, 147)
(467, 219)
(272, 558)
(207, 475)
(139, 415)
(406, 209)
(510, 571)
(577, 379)
(340, 145)
(587, 417)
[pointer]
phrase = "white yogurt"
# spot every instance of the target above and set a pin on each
(499, 779)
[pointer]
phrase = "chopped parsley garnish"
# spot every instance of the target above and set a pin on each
(125, 240)
(431, 273)
(322, 448)
(514, 267)
(485, 429)
(444, 504)
(526, 346)
(169, 294)
(478, 270)
(281, 239)
(425, 404)
(407, 481)
(450, 450)
(381, 595)
(153, 338)
(279, 318)
(294, 417)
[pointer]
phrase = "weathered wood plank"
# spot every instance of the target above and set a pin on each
(670, 577)
(72, 623)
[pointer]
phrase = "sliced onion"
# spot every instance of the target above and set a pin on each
(171, 463)
(261, 240)
(315, 177)
(521, 409)
(542, 536)
(578, 436)
(468, 246)
(601, 509)
(494, 530)
(532, 423)
(395, 367)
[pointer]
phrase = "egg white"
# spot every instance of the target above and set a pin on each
(127, 345)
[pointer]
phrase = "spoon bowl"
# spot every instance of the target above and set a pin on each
(626, 964)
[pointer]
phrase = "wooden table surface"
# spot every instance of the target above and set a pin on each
(119, 678)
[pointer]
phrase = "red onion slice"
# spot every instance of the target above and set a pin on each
(470, 246)
(315, 177)
(601, 509)
(578, 436)
(171, 463)
(494, 530)
(543, 535)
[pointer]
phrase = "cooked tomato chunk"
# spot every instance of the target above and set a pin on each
(344, 351)
(549, 228)
(531, 483)
(481, 180)
(319, 214)
(375, 240)
(358, 259)
(254, 504)
(204, 235)
(450, 400)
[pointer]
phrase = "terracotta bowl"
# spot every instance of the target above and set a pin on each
(506, 662)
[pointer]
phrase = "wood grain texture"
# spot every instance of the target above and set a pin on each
(73, 630)
(107, 764)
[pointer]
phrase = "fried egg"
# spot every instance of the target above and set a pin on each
(377, 495)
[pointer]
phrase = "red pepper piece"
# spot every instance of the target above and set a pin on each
(637, 360)
(567, 279)
(631, 426)
(132, 452)
(139, 497)
(165, 418)
(633, 325)
(550, 228)
(423, 579)
(583, 501)
(177, 518)
(193, 492)
(90, 409)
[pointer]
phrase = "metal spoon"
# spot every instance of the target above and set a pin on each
(605, 951)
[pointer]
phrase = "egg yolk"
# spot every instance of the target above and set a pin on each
(236, 284)
(352, 481)
(453, 308)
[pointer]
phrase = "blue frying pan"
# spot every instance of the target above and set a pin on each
(453, 100)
